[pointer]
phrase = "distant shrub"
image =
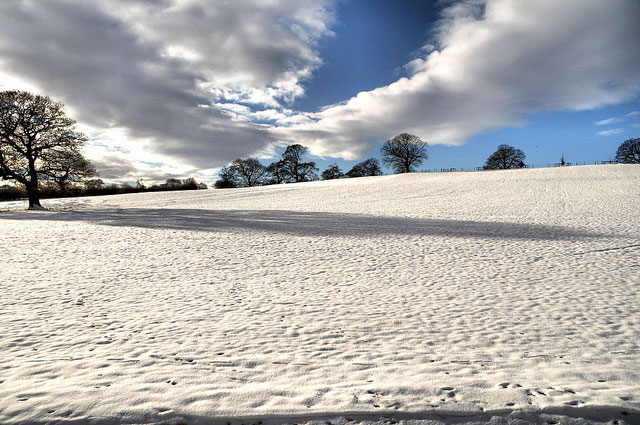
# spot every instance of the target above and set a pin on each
(96, 187)
(10, 193)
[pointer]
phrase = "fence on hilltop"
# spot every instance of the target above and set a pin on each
(548, 165)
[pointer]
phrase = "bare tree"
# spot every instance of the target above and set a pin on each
(332, 173)
(67, 168)
(629, 152)
(370, 167)
(294, 169)
(505, 157)
(227, 178)
(250, 171)
(172, 183)
(404, 152)
(38, 141)
(276, 173)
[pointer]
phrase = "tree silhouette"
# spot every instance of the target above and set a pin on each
(404, 152)
(227, 178)
(67, 168)
(505, 157)
(333, 172)
(39, 142)
(629, 152)
(294, 169)
(276, 173)
(172, 182)
(250, 171)
(370, 167)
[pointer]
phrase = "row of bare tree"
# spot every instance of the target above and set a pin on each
(39, 143)
(249, 172)
(403, 153)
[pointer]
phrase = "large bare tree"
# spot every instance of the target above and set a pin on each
(294, 169)
(39, 142)
(505, 157)
(250, 171)
(404, 152)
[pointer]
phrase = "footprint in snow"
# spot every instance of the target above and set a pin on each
(163, 410)
(509, 385)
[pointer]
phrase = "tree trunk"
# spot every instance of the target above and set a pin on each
(33, 193)
(34, 197)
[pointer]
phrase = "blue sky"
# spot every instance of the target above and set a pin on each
(182, 87)
(544, 138)
(375, 39)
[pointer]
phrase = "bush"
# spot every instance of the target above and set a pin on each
(11, 193)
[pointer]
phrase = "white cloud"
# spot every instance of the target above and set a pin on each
(193, 84)
(609, 121)
(632, 114)
(147, 68)
(610, 132)
(494, 62)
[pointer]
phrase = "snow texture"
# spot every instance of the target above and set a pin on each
(482, 297)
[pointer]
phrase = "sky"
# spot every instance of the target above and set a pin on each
(177, 88)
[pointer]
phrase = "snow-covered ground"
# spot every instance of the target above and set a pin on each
(502, 297)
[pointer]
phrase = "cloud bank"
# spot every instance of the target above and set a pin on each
(494, 62)
(151, 71)
(195, 83)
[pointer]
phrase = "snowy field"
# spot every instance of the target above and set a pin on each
(456, 298)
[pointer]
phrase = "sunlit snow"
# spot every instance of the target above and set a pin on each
(448, 297)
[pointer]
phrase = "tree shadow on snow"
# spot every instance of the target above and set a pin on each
(306, 223)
